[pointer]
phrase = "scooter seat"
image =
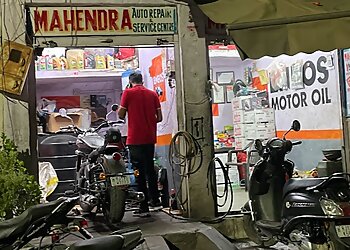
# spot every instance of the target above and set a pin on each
(298, 183)
(11, 229)
(114, 242)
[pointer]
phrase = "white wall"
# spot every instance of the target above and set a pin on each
(323, 117)
(219, 64)
(111, 87)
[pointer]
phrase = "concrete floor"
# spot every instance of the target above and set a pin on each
(161, 224)
(161, 227)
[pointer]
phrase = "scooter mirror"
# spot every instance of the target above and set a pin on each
(62, 112)
(296, 125)
(114, 107)
(258, 145)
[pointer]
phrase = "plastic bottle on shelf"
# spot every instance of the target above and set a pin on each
(63, 63)
(42, 63)
(110, 62)
(49, 65)
(55, 62)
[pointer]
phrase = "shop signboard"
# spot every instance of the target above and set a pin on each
(311, 95)
(346, 60)
(103, 21)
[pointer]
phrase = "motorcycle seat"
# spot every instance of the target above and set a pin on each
(298, 183)
(114, 242)
(13, 228)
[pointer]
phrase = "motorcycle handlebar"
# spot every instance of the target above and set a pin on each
(72, 127)
(107, 124)
(296, 143)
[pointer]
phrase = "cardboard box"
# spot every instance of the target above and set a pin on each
(241, 116)
(56, 121)
(250, 131)
(237, 103)
(249, 117)
(264, 115)
(238, 116)
(85, 117)
(265, 132)
(244, 130)
(241, 142)
(239, 130)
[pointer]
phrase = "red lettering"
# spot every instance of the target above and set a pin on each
(56, 21)
(113, 17)
(79, 19)
(90, 20)
(40, 20)
(102, 19)
(68, 21)
(126, 21)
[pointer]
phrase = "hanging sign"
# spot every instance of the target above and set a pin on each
(101, 21)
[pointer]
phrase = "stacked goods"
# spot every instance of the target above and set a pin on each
(75, 58)
(89, 58)
(251, 120)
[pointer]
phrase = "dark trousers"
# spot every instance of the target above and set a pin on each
(142, 159)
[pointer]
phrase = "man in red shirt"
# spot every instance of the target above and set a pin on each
(144, 112)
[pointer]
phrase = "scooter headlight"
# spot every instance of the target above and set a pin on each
(331, 208)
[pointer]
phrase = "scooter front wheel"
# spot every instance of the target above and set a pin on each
(253, 233)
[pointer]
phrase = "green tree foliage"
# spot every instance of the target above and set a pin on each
(18, 189)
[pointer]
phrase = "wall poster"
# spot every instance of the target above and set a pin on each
(218, 93)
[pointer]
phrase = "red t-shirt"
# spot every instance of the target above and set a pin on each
(142, 105)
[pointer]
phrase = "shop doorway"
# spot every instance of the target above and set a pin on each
(87, 82)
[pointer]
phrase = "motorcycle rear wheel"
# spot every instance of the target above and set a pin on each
(253, 234)
(114, 207)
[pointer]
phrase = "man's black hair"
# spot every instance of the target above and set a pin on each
(135, 78)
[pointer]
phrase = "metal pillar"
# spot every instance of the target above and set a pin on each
(194, 107)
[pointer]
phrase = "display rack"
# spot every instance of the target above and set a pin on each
(45, 74)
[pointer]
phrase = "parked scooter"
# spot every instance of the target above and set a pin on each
(54, 220)
(305, 212)
(102, 179)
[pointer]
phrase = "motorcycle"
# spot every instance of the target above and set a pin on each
(102, 178)
(40, 221)
(55, 220)
(306, 212)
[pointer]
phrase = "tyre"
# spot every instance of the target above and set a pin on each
(114, 207)
(252, 232)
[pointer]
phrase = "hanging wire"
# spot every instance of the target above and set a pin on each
(189, 166)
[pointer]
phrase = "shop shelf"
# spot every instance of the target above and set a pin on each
(45, 74)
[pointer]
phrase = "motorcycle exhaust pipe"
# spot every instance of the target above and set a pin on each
(138, 196)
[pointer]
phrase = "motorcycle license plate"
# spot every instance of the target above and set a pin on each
(343, 231)
(120, 181)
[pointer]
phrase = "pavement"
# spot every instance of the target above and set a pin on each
(163, 232)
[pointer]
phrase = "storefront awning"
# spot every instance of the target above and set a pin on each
(274, 27)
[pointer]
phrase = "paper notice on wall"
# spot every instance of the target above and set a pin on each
(264, 79)
(296, 75)
(278, 77)
(85, 102)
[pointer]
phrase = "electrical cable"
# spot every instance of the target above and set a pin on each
(193, 150)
